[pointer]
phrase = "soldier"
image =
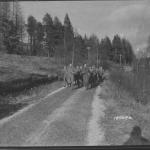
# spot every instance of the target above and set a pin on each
(85, 72)
(77, 76)
(97, 76)
(65, 71)
(94, 76)
(86, 77)
(70, 75)
(100, 73)
(66, 77)
(81, 75)
(91, 79)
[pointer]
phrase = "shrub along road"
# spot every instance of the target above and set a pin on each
(66, 118)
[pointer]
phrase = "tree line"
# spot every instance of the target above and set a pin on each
(52, 38)
(11, 27)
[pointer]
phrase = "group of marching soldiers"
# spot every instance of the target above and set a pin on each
(79, 76)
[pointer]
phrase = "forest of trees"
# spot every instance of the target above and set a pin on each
(52, 38)
(11, 27)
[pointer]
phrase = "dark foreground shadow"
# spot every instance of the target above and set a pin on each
(136, 137)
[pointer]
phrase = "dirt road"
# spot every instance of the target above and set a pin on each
(63, 118)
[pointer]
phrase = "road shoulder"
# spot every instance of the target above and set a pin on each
(95, 130)
(122, 113)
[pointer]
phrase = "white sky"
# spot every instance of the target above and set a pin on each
(127, 18)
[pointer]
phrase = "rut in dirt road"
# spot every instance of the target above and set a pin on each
(67, 125)
(67, 118)
(95, 130)
(15, 129)
(75, 123)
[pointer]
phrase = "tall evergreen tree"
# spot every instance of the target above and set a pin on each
(5, 12)
(108, 46)
(94, 49)
(117, 48)
(31, 29)
(10, 39)
(80, 55)
(106, 49)
(18, 20)
(128, 51)
(39, 31)
(85, 39)
(11, 26)
(68, 38)
(49, 34)
(58, 31)
(148, 46)
(19, 23)
(39, 37)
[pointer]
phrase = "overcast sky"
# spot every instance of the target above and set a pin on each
(127, 18)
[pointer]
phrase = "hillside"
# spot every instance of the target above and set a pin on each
(15, 66)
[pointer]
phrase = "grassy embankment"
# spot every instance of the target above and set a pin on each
(123, 95)
(24, 78)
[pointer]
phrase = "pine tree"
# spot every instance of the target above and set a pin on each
(58, 31)
(117, 48)
(18, 21)
(49, 34)
(128, 51)
(5, 12)
(68, 38)
(39, 37)
(80, 55)
(108, 47)
(31, 29)
(93, 42)
(148, 47)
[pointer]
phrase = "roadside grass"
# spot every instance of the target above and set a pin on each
(18, 73)
(17, 66)
(26, 79)
(12, 103)
(120, 100)
(16, 86)
(135, 83)
(36, 93)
